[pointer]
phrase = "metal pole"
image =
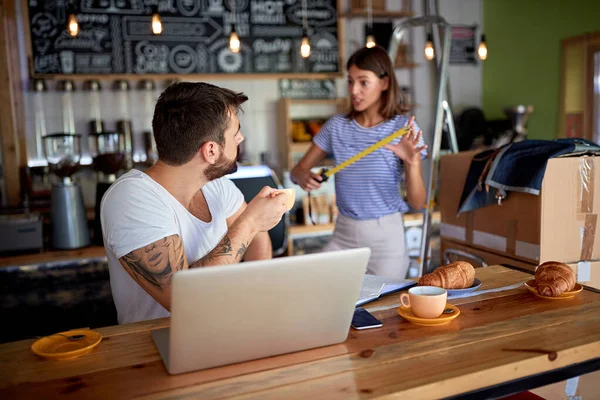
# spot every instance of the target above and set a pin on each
(397, 34)
(451, 130)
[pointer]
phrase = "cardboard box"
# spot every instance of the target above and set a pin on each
(489, 257)
(557, 225)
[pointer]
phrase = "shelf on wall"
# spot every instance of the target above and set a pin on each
(408, 65)
(361, 12)
(300, 147)
(317, 101)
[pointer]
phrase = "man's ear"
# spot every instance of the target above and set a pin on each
(210, 152)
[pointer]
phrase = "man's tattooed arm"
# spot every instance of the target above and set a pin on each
(224, 253)
(232, 247)
(153, 267)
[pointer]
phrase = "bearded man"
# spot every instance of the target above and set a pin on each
(183, 212)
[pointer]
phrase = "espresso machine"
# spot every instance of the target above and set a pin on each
(69, 222)
(517, 115)
(109, 158)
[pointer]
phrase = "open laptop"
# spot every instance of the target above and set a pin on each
(234, 313)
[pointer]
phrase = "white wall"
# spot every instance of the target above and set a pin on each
(259, 122)
(464, 80)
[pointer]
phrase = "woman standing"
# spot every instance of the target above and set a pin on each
(368, 192)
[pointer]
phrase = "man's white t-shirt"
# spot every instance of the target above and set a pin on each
(137, 211)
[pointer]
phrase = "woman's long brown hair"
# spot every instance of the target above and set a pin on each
(377, 60)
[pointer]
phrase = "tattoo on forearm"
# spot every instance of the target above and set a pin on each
(241, 251)
(157, 262)
(224, 248)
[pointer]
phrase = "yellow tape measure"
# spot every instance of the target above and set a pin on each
(326, 173)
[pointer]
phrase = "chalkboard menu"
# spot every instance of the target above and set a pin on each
(115, 37)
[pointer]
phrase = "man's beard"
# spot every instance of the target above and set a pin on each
(222, 167)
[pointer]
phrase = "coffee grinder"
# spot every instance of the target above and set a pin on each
(109, 158)
(69, 222)
(95, 124)
(124, 126)
(147, 90)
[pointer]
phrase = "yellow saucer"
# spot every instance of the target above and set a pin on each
(532, 287)
(408, 315)
(58, 347)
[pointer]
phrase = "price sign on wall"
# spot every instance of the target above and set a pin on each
(307, 88)
(462, 49)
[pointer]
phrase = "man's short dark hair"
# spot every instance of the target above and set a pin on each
(189, 114)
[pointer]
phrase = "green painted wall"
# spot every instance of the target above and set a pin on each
(523, 65)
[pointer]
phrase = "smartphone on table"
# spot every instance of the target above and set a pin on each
(363, 319)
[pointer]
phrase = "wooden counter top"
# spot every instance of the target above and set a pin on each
(499, 337)
(53, 256)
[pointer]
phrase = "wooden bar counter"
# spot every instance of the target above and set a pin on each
(52, 256)
(502, 342)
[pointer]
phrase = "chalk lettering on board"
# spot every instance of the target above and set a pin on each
(317, 15)
(151, 58)
(95, 39)
(93, 63)
(67, 61)
(324, 52)
(203, 58)
(46, 63)
(241, 20)
(284, 62)
(240, 5)
(115, 36)
(267, 12)
(261, 46)
(213, 7)
(113, 6)
(127, 51)
(189, 8)
(203, 29)
(228, 61)
(41, 45)
(276, 31)
(262, 63)
(92, 18)
(117, 44)
(44, 25)
(182, 59)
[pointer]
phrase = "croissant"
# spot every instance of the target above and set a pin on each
(456, 275)
(554, 278)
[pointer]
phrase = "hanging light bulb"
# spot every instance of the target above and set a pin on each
(234, 40)
(305, 46)
(429, 51)
(482, 49)
(72, 25)
(370, 42)
(370, 39)
(157, 26)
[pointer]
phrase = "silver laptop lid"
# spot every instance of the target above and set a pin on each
(234, 313)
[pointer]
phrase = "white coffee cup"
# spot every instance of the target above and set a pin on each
(425, 301)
